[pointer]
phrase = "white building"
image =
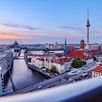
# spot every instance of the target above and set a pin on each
(61, 63)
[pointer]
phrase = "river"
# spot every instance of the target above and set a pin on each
(22, 76)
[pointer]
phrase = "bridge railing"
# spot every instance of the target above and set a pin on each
(84, 91)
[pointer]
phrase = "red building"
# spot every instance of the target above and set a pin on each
(70, 47)
(83, 54)
(82, 44)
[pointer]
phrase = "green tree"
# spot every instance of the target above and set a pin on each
(53, 70)
(46, 50)
(77, 63)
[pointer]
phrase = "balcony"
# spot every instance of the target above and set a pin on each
(84, 91)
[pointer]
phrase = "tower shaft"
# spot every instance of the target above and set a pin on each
(88, 30)
(88, 36)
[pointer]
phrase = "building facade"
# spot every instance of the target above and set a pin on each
(61, 63)
(97, 71)
(82, 44)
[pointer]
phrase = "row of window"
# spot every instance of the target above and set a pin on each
(95, 74)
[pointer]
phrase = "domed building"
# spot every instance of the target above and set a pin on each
(15, 45)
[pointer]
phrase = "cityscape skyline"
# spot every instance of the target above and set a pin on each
(50, 49)
(49, 21)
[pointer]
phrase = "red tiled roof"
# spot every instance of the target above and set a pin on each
(70, 47)
(77, 53)
(60, 61)
(58, 54)
(81, 53)
(98, 68)
(47, 55)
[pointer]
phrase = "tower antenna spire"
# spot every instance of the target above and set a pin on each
(87, 13)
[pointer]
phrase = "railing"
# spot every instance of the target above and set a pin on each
(84, 91)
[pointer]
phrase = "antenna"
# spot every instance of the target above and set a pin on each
(88, 13)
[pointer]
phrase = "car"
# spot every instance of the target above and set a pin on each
(44, 69)
(80, 78)
(40, 87)
(70, 80)
(72, 73)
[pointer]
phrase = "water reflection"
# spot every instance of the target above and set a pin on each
(22, 76)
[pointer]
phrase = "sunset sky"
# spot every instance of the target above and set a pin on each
(49, 21)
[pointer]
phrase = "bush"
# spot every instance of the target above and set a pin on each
(77, 63)
(53, 70)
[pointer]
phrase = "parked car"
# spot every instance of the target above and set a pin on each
(73, 73)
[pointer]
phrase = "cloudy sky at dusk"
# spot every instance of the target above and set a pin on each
(48, 21)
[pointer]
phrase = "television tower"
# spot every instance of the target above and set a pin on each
(88, 26)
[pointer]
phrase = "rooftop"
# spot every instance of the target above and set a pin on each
(61, 60)
(98, 68)
(83, 54)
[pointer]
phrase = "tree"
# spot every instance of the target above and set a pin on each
(46, 50)
(77, 63)
(53, 70)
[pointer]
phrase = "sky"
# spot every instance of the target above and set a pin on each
(49, 21)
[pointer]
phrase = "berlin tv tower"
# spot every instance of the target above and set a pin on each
(88, 26)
